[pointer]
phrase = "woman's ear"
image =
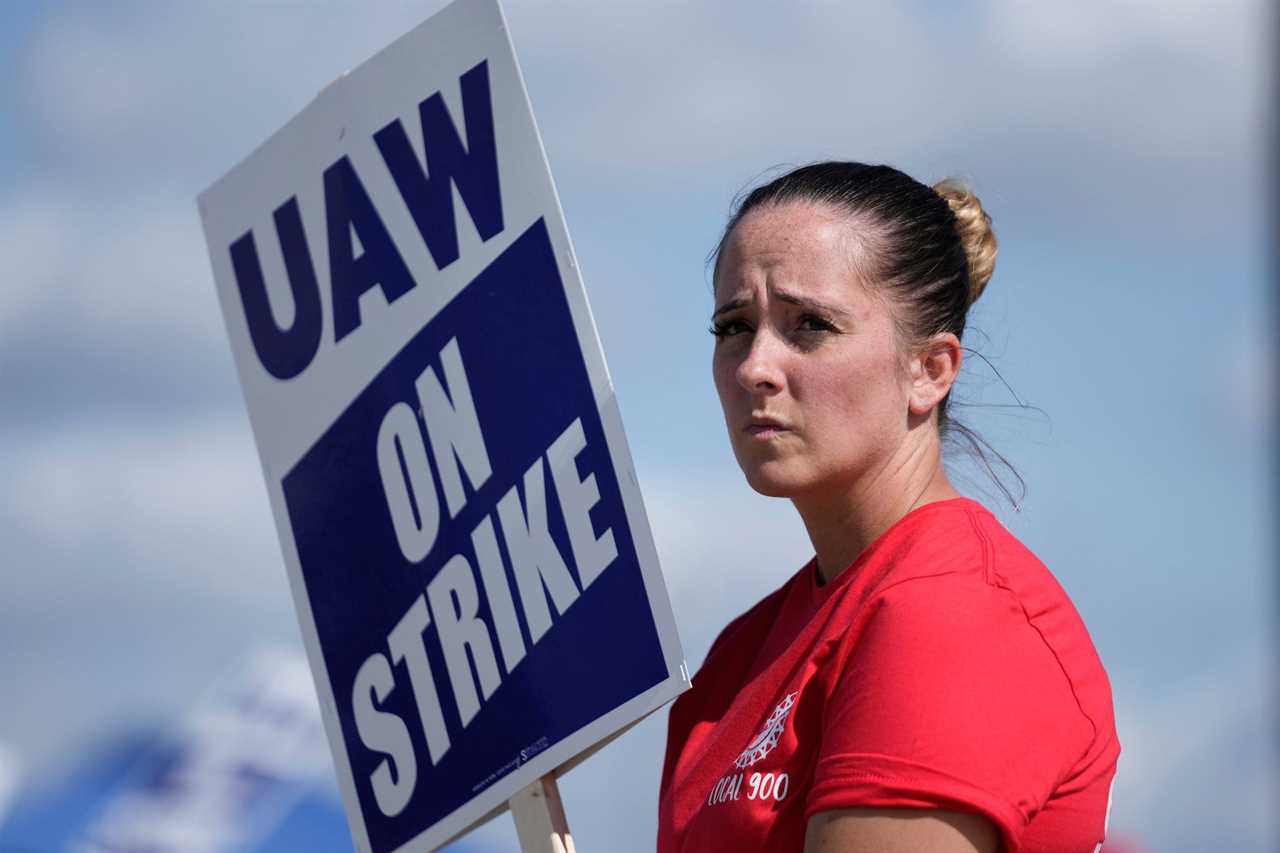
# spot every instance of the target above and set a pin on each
(934, 367)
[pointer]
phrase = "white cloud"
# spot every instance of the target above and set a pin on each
(33, 245)
(1242, 387)
(124, 511)
(156, 85)
(95, 277)
(1199, 755)
(722, 547)
(8, 780)
(1132, 95)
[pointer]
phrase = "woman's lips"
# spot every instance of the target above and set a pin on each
(765, 427)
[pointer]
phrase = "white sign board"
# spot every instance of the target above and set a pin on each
(468, 552)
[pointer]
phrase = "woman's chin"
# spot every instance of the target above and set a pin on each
(773, 483)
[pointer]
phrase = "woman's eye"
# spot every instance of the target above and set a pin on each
(814, 323)
(728, 328)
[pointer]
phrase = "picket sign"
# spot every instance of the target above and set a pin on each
(460, 520)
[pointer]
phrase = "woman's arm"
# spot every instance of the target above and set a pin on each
(899, 831)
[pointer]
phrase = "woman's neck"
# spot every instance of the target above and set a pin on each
(841, 526)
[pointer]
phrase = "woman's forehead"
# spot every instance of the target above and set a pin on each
(794, 246)
(794, 226)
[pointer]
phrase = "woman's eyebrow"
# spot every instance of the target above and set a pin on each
(731, 305)
(809, 303)
(806, 302)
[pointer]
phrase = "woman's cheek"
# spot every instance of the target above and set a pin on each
(727, 391)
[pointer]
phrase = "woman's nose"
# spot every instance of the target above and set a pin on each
(760, 372)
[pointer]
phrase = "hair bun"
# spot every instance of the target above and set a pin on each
(974, 226)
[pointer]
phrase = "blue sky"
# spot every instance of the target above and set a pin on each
(1118, 147)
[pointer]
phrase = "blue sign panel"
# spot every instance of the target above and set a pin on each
(503, 559)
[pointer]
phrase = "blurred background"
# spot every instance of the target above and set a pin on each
(1119, 146)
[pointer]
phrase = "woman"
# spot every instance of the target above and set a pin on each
(922, 684)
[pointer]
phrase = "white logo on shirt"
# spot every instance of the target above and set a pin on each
(768, 738)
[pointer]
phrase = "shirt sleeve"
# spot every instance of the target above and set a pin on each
(949, 698)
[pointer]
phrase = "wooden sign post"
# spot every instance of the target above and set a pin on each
(540, 821)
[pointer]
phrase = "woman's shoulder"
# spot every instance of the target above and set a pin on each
(961, 573)
(961, 537)
(993, 561)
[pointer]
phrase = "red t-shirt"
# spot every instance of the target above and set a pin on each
(945, 668)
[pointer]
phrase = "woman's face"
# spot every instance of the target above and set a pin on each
(814, 389)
